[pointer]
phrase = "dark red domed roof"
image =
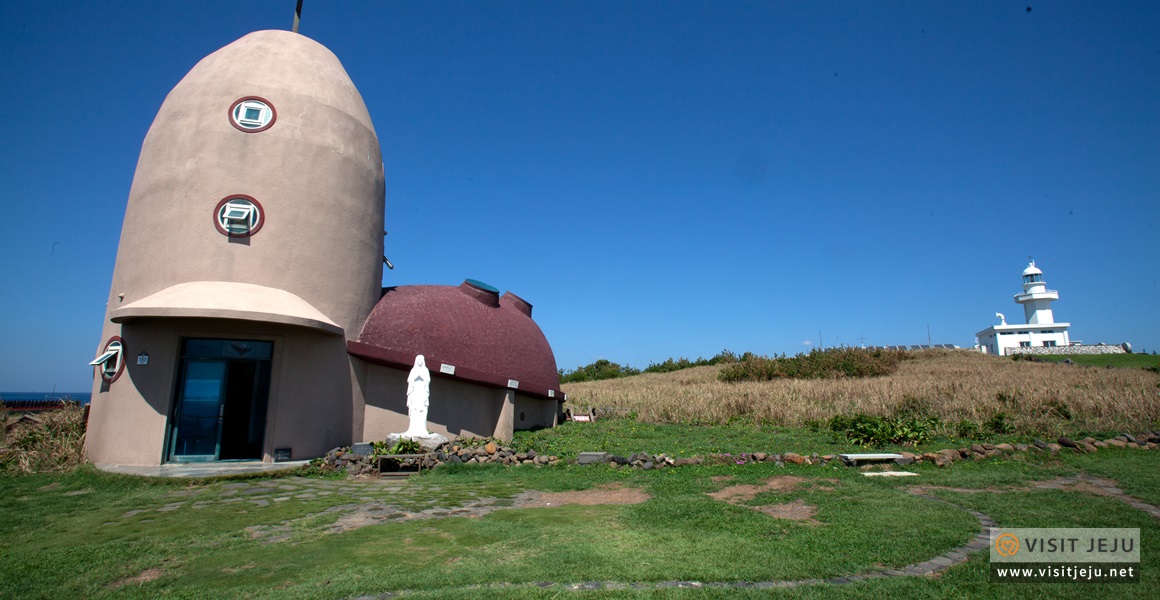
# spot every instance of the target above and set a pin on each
(486, 338)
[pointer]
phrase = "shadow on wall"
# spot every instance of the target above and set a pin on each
(457, 408)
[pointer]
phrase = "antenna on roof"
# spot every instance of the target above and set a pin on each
(297, 16)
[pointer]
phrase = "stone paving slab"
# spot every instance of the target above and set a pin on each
(206, 469)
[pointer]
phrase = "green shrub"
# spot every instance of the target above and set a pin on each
(403, 446)
(969, 430)
(869, 430)
(998, 423)
(601, 369)
(670, 365)
(817, 364)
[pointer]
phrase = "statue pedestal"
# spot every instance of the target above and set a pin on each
(429, 442)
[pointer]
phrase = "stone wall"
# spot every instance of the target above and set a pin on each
(1066, 350)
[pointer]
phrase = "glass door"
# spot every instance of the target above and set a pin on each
(199, 411)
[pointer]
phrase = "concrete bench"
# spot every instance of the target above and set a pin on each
(853, 459)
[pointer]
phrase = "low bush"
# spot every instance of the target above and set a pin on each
(601, 369)
(817, 364)
(870, 430)
(669, 365)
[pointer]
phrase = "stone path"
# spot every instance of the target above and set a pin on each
(1104, 486)
(264, 492)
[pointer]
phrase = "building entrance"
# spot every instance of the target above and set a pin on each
(219, 411)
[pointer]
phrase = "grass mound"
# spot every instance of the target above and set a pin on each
(971, 395)
(49, 441)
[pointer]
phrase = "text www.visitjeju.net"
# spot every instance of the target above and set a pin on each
(1043, 573)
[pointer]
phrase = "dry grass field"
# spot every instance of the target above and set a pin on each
(1034, 398)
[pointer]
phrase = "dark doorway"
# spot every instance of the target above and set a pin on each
(222, 393)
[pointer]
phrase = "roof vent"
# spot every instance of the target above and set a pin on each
(510, 299)
(481, 291)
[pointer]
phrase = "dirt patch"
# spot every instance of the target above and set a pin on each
(614, 493)
(737, 494)
(797, 510)
(142, 577)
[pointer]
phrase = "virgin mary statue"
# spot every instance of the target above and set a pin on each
(418, 398)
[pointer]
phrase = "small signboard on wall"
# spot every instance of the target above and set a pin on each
(143, 359)
(281, 454)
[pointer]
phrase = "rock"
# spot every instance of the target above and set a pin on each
(779, 463)
(903, 461)
(1100, 444)
(989, 446)
(952, 455)
(620, 460)
(682, 462)
(796, 459)
(1040, 444)
(931, 456)
(1088, 447)
(1054, 448)
(829, 457)
(942, 460)
(965, 452)
(978, 449)
(363, 449)
(589, 457)
(491, 449)
(1129, 437)
(531, 453)
(1005, 447)
(1021, 447)
(1067, 443)
(760, 456)
(1116, 442)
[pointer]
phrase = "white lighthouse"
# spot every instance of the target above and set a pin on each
(1036, 298)
(1040, 331)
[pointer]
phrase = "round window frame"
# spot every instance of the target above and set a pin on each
(242, 128)
(253, 230)
(122, 362)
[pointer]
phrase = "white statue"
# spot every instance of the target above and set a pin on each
(418, 398)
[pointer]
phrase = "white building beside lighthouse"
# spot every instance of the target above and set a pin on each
(1040, 329)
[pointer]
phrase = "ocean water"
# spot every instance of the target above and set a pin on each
(82, 397)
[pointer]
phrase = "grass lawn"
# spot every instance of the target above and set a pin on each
(92, 534)
(1134, 361)
(625, 436)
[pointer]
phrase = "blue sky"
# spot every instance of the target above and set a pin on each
(658, 178)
